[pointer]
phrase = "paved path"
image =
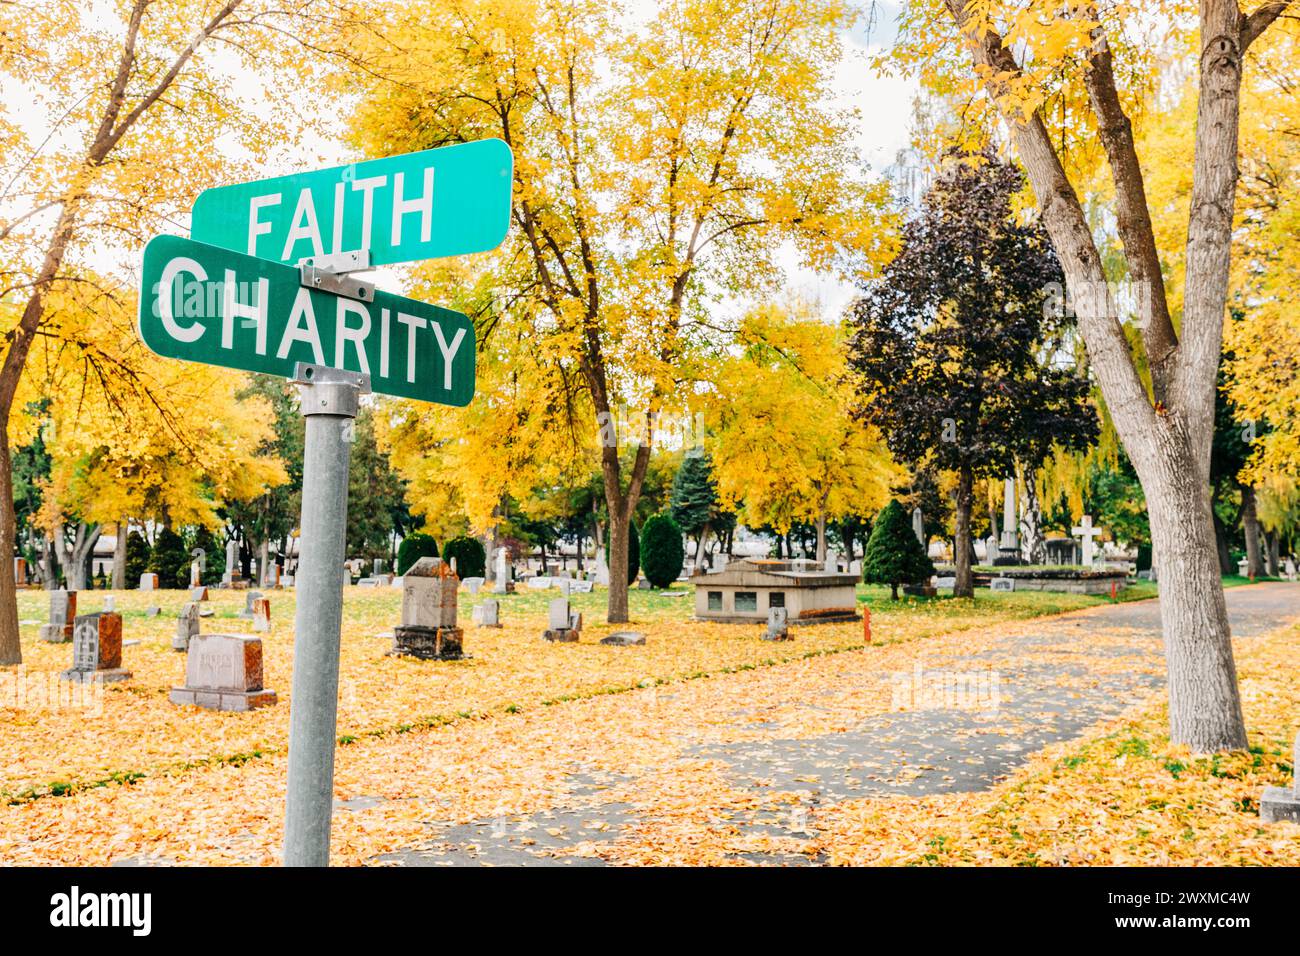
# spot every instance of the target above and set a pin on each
(971, 718)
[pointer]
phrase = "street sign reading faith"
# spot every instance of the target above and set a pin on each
(439, 202)
(201, 303)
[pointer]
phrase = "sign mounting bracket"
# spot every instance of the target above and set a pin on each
(333, 273)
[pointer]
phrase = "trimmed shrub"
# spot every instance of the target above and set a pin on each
(471, 559)
(662, 553)
(414, 547)
(894, 556)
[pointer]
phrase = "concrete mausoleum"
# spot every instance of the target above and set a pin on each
(746, 590)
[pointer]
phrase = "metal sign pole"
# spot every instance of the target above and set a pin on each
(329, 404)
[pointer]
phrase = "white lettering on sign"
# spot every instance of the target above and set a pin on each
(367, 187)
(448, 353)
(232, 309)
(343, 333)
(422, 204)
(256, 228)
(302, 328)
(412, 322)
(303, 226)
(175, 267)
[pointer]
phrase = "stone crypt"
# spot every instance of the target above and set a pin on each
(746, 590)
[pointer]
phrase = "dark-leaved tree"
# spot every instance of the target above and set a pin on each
(894, 554)
(960, 363)
(662, 554)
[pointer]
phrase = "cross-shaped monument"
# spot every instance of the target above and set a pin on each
(1086, 531)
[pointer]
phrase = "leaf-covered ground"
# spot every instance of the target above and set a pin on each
(648, 775)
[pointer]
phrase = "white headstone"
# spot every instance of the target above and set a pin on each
(559, 618)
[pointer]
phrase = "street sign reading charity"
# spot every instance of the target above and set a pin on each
(201, 303)
(439, 202)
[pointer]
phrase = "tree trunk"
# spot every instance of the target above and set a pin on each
(699, 545)
(1226, 565)
(821, 538)
(1274, 553)
(119, 555)
(964, 585)
(83, 545)
(618, 544)
(1204, 706)
(11, 651)
(1250, 524)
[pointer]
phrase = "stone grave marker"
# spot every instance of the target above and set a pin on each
(187, 626)
(563, 623)
(96, 649)
(778, 625)
(624, 639)
(948, 582)
(488, 614)
(63, 612)
(262, 614)
(148, 581)
(20, 572)
(110, 603)
(199, 593)
(428, 629)
(581, 587)
(1279, 803)
(473, 584)
(1002, 584)
(249, 599)
(223, 672)
(538, 583)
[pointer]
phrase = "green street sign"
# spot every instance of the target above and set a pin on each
(439, 202)
(201, 303)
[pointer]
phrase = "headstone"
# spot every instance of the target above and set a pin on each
(223, 672)
(63, 612)
(148, 581)
(377, 567)
(473, 584)
(562, 624)
(153, 610)
(945, 582)
(262, 614)
(232, 563)
(187, 626)
(20, 572)
(347, 574)
(538, 583)
(502, 584)
(249, 599)
(1061, 551)
(1279, 803)
(643, 584)
(1086, 531)
(602, 568)
(197, 567)
(271, 574)
(488, 614)
(286, 580)
(428, 629)
(832, 564)
(990, 549)
(918, 525)
(581, 587)
(778, 625)
(624, 639)
(1009, 545)
(96, 649)
(110, 603)
(199, 593)
(1002, 584)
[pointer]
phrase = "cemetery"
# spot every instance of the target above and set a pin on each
(505, 433)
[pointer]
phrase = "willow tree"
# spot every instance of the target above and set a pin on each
(657, 163)
(1061, 75)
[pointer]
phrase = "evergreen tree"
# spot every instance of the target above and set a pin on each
(693, 503)
(137, 557)
(169, 560)
(471, 559)
(415, 546)
(894, 555)
(662, 554)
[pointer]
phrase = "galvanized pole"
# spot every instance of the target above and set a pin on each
(329, 404)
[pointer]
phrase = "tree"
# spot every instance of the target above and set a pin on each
(170, 560)
(414, 547)
(376, 495)
(894, 556)
(1063, 58)
(662, 554)
(634, 556)
(783, 442)
(694, 500)
(137, 556)
(958, 361)
(123, 94)
(469, 555)
(653, 162)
